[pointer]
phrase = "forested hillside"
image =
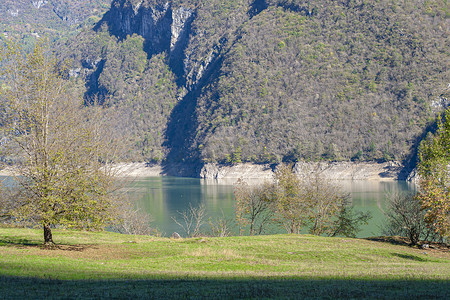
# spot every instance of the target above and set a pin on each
(267, 81)
(26, 20)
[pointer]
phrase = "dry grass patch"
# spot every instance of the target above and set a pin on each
(222, 254)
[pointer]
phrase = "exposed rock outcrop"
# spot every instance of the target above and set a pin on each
(180, 18)
(162, 26)
(353, 171)
(334, 170)
(331, 170)
(38, 4)
(247, 171)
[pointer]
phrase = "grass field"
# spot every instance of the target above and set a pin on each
(107, 265)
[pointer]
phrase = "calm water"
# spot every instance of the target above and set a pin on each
(164, 197)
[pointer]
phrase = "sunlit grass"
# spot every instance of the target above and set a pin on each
(298, 258)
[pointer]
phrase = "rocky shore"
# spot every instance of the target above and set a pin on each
(387, 171)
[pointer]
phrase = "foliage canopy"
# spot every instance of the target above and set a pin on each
(433, 167)
(59, 146)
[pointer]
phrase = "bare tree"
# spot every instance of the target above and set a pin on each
(405, 217)
(221, 226)
(253, 205)
(192, 220)
(132, 220)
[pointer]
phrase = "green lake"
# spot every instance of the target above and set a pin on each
(164, 197)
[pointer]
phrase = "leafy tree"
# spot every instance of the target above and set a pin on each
(253, 205)
(327, 201)
(291, 207)
(59, 146)
(433, 169)
(348, 222)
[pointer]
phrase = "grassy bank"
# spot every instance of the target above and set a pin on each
(93, 265)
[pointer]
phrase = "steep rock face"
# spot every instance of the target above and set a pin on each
(39, 4)
(152, 23)
(193, 35)
(180, 18)
(162, 27)
(195, 69)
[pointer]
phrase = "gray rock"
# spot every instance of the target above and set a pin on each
(180, 18)
(175, 235)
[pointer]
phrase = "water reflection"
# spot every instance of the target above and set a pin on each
(164, 197)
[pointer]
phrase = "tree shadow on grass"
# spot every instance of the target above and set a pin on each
(15, 288)
(410, 257)
(402, 241)
(394, 240)
(18, 242)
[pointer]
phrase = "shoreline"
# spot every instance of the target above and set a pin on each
(388, 171)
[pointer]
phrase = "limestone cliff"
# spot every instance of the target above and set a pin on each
(164, 27)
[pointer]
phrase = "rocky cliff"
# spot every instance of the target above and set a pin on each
(160, 25)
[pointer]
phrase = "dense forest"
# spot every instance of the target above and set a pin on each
(28, 20)
(266, 81)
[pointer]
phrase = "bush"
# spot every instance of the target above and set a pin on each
(348, 222)
(406, 218)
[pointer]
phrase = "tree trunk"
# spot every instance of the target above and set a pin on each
(48, 237)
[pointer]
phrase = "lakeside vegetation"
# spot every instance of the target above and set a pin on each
(107, 264)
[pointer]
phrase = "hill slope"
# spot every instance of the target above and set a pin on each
(268, 81)
(28, 19)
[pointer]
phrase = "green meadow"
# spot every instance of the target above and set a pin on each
(87, 265)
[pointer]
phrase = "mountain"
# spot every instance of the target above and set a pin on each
(266, 81)
(27, 20)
